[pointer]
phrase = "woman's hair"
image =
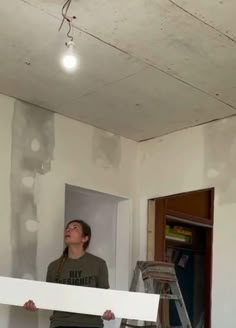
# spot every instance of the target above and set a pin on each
(86, 231)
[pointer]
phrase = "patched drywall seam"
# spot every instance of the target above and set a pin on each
(106, 149)
(220, 158)
(31, 155)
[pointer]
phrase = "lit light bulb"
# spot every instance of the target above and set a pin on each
(69, 60)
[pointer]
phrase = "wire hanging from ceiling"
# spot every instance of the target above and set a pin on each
(69, 60)
(68, 19)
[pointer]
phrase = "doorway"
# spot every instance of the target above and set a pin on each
(180, 230)
(110, 221)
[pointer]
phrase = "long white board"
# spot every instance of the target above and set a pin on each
(87, 300)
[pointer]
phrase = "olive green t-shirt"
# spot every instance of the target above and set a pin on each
(89, 271)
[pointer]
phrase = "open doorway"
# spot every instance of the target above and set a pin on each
(110, 219)
(180, 229)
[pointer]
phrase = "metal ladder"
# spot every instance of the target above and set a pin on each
(159, 278)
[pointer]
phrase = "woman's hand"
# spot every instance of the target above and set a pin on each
(30, 306)
(108, 315)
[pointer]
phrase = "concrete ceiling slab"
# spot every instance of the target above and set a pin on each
(155, 104)
(147, 67)
(219, 14)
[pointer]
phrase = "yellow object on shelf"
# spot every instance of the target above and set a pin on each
(182, 231)
(178, 234)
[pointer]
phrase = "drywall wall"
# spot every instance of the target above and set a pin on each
(31, 155)
(5, 199)
(83, 156)
(40, 153)
(193, 159)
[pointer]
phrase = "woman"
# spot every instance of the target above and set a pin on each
(77, 267)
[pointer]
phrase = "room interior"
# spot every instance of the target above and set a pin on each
(126, 106)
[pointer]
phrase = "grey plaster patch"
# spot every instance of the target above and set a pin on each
(220, 158)
(31, 154)
(106, 150)
(212, 173)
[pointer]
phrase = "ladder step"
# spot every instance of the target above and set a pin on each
(138, 326)
(169, 297)
(159, 277)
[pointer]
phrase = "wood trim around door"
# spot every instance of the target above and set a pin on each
(160, 225)
(160, 242)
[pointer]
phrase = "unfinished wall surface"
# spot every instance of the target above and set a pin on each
(41, 152)
(64, 151)
(31, 154)
(194, 159)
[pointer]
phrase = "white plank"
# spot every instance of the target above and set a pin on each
(95, 301)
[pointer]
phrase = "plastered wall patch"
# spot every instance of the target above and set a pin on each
(220, 158)
(212, 173)
(106, 151)
(31, 156)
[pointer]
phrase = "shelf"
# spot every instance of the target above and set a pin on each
(170, 242)
(177, 240)
(183, 245)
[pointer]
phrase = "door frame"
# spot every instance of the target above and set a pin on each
(161, 213)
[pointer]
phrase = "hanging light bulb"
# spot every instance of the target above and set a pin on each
(69, 60)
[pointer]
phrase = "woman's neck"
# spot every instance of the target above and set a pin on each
(75, 251)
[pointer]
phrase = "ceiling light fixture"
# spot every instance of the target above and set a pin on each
(69, 60)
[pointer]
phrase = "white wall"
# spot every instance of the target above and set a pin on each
(192, 159)
(5, 213)
(83, 156)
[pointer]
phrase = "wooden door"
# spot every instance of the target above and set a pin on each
(197, 208)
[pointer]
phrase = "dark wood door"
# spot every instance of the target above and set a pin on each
(197, 208)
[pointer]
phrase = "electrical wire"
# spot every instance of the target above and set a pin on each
(68, 19)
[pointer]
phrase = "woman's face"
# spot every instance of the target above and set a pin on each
(74, 234)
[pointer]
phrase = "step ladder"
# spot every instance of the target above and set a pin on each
(159, 278)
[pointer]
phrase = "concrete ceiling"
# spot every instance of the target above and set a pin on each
(148, 67)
